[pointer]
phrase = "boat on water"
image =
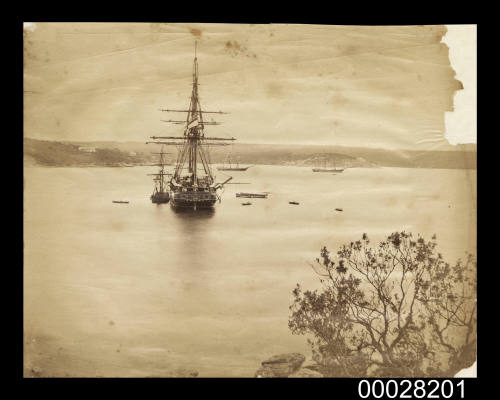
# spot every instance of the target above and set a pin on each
(252, 195)
(192, 185)
(160, 193)
(120, 202)
(296, 203)
(232, 167)
(246, 204)
(338, 170)
(333, 169)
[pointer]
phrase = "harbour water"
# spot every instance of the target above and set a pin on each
(139, 290)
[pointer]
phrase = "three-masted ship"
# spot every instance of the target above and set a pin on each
(160, 193)
(193, 182)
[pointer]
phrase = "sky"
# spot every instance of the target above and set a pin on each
(386, 87)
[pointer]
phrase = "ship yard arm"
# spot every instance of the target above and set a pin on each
(182, 143)
(201, 111)
(184, 137)
(183, 122)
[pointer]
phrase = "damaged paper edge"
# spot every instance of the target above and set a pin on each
(461, 123)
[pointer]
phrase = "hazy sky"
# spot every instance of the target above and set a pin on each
(341, 85)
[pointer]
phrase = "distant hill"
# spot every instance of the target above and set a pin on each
(58, 154)
(52, 153)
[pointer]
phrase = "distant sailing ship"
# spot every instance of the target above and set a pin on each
(192, 187)
(160, 193)
(328, 169)
(231, 167)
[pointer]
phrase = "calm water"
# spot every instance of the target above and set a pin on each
(138, 290)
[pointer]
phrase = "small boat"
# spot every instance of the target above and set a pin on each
(338, 209)
(120, 201)
(294, 202)
(252, 195)
(335, 170)
(246, 204)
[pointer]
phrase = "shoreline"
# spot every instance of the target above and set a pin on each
(38, 165)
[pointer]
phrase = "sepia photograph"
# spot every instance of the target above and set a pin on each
(223, 200)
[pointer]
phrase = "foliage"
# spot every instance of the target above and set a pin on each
(397, 309)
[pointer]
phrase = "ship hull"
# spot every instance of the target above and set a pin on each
(193, 200)
(160, 198)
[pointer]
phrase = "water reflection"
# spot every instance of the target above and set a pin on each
(190, 214)
(195, 233)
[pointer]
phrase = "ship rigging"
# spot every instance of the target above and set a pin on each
(191, 186)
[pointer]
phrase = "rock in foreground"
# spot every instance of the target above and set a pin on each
(280, 366)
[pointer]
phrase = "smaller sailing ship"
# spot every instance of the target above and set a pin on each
(160, 194)
(328, 169)
(232, 167)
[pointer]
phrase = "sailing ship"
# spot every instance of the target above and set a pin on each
(193, 183)
(328, 169)
(231, 167)
(160, 193)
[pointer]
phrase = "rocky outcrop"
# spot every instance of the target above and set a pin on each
(280, 366)
(287, 365)
(264, 372)
(311, 365)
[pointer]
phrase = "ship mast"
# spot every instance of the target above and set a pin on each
(194, 127)
(194, 139)
(159, 177)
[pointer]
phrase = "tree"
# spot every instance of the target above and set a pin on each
(396, 310)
